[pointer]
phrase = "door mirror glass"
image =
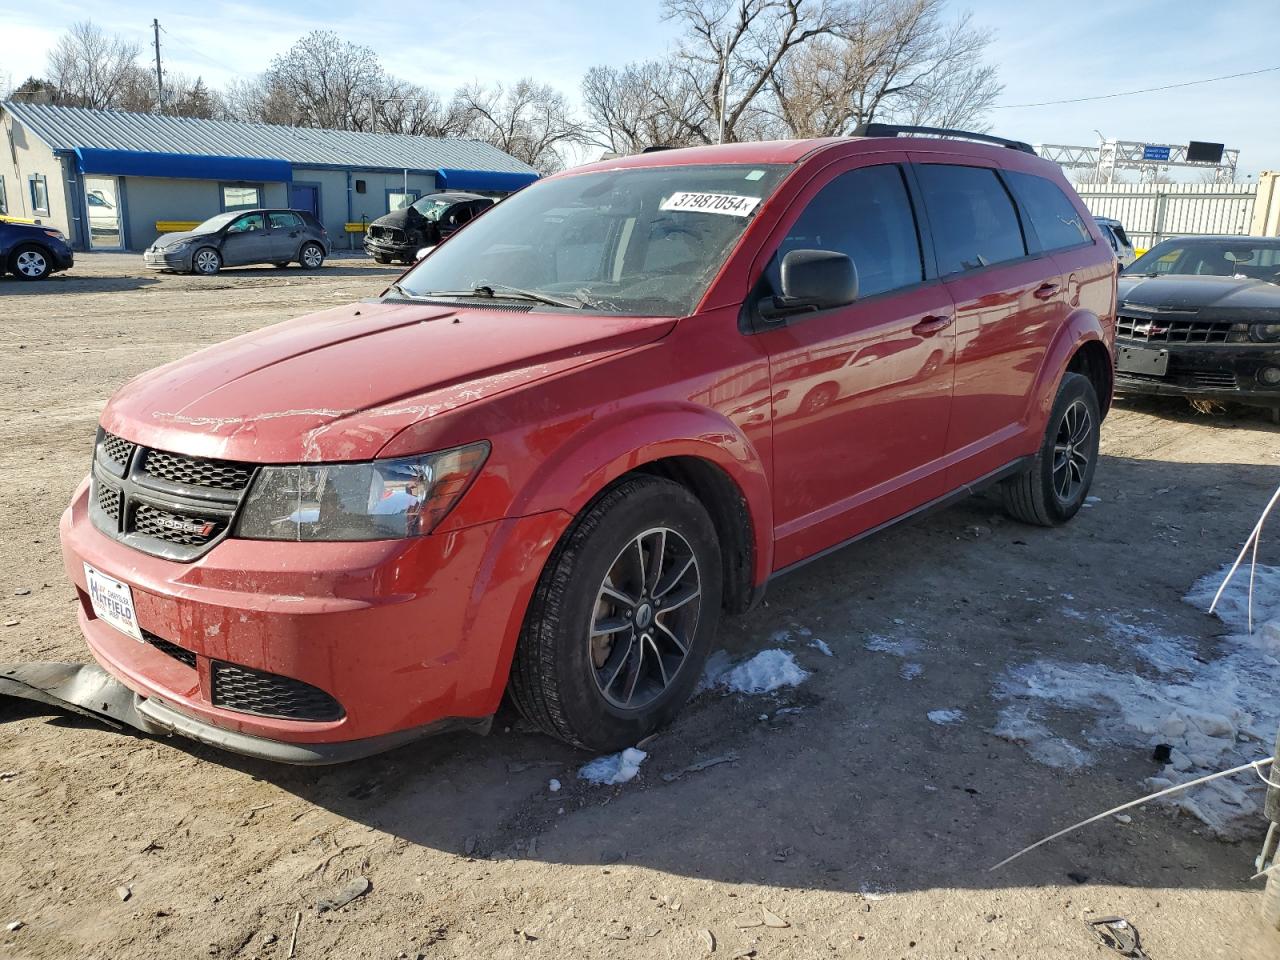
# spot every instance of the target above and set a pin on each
(813, 280)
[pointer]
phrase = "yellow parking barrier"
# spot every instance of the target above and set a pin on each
(176, 226)
(8, 219)
(355, 228)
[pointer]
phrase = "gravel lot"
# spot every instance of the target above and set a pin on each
(854, 820)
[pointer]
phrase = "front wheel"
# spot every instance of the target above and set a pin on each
(311, 256)
(1053, 488)
(31, 263)
(206, 261)
(622, 618)
(381, 258)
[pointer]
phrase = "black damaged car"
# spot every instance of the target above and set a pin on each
(1199, 317)
(402, 233)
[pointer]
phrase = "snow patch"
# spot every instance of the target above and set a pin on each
(766, 671)
(821, 646)
(945, 718)
(894, 646)
(909, 671)
(614, 768)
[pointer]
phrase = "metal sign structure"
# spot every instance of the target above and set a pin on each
(1149, 159)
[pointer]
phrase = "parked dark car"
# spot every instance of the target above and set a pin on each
(1199, 317)
(242, 237)
(402, 233)
(31, 251)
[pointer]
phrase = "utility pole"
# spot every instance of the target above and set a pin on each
(724, 95)
(155, 26)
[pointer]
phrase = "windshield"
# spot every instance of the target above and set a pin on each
(639, 241)
(432, 207)
(217, 223)
(1258, 259)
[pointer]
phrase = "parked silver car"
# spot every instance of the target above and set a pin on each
(241, 237)
(1113, 231)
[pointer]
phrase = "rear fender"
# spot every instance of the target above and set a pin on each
(1082, 326)
(616, 445)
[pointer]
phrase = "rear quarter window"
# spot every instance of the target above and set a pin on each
(971, 215)
(1057, 222)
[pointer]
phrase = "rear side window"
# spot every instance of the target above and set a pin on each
(867, 215)
(285, 221)
(972, 217)
(1056, 221)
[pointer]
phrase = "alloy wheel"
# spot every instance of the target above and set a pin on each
(206, 262)
(312, 257)
(645, 615)
(31, 263)
(1071, 451)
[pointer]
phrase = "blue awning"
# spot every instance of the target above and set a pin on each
(490, 180)
(184, 166)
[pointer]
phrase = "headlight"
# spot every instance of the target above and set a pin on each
(56, 234)
(1265, 332)
(381, 500)
(179, 245)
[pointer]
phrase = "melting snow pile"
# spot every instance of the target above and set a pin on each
(766, 671)
(614, 768)
(945, 718)
(1214, 714)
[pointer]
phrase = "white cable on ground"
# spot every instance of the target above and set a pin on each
(1249, 541)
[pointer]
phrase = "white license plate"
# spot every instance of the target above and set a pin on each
(112, 601)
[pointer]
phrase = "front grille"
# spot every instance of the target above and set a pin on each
(269, 695)
(181, 528)
(169, 649)
(196, 471)
(386, 233)
(109, 500)
(1158, 329)
(1214, 379)
(117, 449)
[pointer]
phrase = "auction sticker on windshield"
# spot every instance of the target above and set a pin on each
(112, 601)
(728, 204)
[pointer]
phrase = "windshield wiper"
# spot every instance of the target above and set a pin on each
(491, 291)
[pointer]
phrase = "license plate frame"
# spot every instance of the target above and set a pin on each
(1149, 361)
(112, 601)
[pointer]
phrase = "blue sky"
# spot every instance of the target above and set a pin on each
(1045, 51)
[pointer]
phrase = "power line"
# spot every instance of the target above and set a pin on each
(1130, 93)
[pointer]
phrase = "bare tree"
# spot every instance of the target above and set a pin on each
(642, 105)
(327, 81)
(530, 121)
(402, 107)
(91, 68)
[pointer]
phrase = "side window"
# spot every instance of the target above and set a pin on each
(285, 221)
(4, 198)
(866, 214)
(39, 193)
(972, 216)
(252, 221)
(1057, 222)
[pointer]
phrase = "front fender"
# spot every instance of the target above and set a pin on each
(1081, 327)
(607, 449)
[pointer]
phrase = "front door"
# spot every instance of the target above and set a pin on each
(246, 241)
(285, 234)
(862, 393)
(102, 207)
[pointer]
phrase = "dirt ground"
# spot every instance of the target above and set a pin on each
(865, 828)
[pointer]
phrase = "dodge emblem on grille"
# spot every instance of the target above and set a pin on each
(198, 528)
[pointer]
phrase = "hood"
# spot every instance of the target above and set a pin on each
(1188, 292)
(337, 385)
(166, 239)
(401, 218)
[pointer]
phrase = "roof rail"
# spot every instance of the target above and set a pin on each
(894, 129)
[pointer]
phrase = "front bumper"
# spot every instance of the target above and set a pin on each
(64, 258)
(395, 249)
(1216, 372)
(407, 636)
(161, 260)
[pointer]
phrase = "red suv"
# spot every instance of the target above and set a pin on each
(611, 408)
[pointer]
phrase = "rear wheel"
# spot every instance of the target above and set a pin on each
(206, 261)
(381, 259)
(1053, 488)
(311, 256)
(31, 263)
(622, 618)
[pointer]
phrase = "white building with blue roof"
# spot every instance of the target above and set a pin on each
(114, 181)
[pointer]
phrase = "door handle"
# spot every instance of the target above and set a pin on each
(1045, 291)
(934, 323)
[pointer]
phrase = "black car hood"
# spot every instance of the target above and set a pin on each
(408, 218)
(1188, 292)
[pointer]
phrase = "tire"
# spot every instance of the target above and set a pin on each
(280, 264)
(381, 259)
(606, 691)
(311, 256)
(30, 262)
(206, 261)
(1036, 495)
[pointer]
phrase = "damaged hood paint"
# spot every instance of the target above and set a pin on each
(1187, 292)
(339, 384)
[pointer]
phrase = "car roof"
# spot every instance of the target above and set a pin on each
(454, 195)
(1224, 238)
(794, 151)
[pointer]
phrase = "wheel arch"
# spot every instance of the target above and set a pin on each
(1094, 361)
(1079, 346)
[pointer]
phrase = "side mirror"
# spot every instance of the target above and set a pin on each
(813, 280)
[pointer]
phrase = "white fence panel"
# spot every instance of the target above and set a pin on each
(1152, 212)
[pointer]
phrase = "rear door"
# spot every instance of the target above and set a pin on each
(862, 393)
(246, 241)
(1008, 299)
(285, 236)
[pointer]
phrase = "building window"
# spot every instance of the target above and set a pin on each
(39, 193)
(398, 201)
(241, 196)
(4, 198)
